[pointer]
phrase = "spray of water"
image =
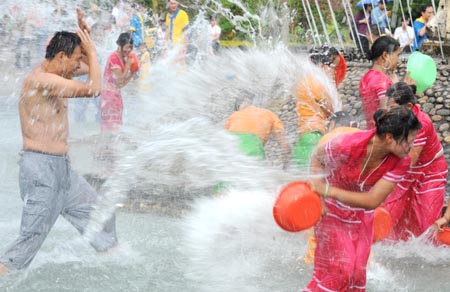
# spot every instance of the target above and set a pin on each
(178, 134)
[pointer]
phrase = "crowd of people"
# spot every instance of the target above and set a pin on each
(373, 20)
(396, 161)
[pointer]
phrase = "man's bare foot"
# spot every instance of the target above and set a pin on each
(3, 270)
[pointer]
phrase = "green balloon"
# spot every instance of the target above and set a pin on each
(422, 69)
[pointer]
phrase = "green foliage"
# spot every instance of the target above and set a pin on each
(299, 25)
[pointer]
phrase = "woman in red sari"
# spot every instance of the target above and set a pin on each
(358, 172)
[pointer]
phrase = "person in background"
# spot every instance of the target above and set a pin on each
(177, 22)
(214, 33)
(337, 68)
(137, 23)
(373, 34)
(362, 21)
(144, 63)
(405, 35)
(373, 85)
(48, 185)
(116, 75)
(416, 202)
(314, 107)
(354, 173)
(253, 126)
(380, 18)
(420, 26)
(160, 40)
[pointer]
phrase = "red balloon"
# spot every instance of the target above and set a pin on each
(297, 207)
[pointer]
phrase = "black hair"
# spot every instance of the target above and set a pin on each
(366, 6)
(383, 44)
(398, 121)
(62, 41)
(423, 8)
(124, 39)
(402, 93)
(323, 55)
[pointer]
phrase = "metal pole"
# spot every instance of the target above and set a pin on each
(309, 22)
(336, 25)
(313, 22)
(387, 17)
(324, 27)
(368, 25)
(410, 16)
(351, 20)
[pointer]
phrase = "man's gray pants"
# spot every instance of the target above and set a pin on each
(49, 187)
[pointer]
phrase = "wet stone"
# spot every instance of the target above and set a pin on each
(436, 118)
(443, 112)
(444, 127)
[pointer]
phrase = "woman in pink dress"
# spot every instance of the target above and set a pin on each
(417, 201)
(117, 75)
(373, 85)
(359, 170)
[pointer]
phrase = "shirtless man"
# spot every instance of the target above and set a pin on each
(48, 185)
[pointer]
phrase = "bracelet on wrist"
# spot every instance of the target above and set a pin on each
(327, 188)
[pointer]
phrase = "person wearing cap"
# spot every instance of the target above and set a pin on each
(214, 33)
(177, 21)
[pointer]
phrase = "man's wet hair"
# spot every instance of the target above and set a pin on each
(402, 93)
(398, 121)
(62, 41)
(124, 39)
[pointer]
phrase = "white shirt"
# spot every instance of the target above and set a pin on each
(214, 31)
(404, 36)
